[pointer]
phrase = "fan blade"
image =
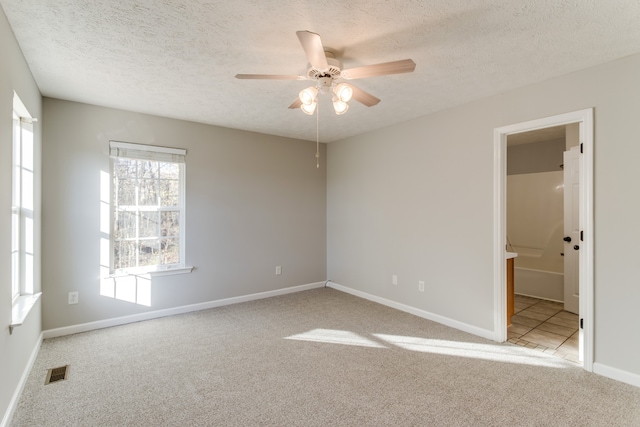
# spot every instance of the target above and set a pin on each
(363, 97)
(312, 46)
(296, 104)
(394, 67)
(269, 77)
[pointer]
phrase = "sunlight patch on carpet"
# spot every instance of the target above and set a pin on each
(496, 353)
(332, 336)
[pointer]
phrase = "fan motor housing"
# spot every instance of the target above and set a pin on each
(332, 72)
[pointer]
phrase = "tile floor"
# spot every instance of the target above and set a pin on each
(544, 326)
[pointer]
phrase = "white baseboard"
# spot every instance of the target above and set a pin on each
(484, 333)
(13, 404)
(107, 323)
(616, 374)
(545, 299)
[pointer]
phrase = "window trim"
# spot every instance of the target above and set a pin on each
(118, 149)
(25, 298)
(16, 210)
(24, 208)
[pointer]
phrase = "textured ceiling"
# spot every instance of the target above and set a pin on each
(178, 58)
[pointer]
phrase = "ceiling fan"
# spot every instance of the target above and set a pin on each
(328, 74)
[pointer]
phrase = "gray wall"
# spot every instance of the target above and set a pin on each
(543, 156)
(15, 349)
(416, 200)
(253, 202)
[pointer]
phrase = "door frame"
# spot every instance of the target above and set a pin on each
(586, 257)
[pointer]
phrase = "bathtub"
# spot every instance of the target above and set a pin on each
(547, 285)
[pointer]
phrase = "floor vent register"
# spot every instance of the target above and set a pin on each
(57, 374)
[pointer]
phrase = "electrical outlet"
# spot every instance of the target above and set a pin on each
(421, 286)
(278, 270)
(73, 297)
(394, 280)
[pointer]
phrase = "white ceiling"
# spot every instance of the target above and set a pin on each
(178, 58)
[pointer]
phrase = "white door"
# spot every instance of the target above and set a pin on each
(571, 229)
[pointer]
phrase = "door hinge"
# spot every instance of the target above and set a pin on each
(581, 235)
(581, 323)
(581, 147)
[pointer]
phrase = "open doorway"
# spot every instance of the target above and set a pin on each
(584, 121)
(542, 239)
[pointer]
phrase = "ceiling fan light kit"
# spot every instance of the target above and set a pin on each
(340, 107)
(343, 92)
(308, 96)
(308, 109)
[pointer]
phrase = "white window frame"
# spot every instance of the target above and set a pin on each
(119, 149)
(23, 204)
(25, 173)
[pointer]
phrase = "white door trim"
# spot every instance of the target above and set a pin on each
(585, 120)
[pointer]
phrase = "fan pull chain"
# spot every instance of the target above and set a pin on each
(317, 136)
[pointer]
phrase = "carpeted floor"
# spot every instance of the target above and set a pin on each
(314, 358)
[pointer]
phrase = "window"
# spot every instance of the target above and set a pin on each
(148, 207)
(22, 203)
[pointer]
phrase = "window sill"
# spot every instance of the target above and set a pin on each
(21, 309)
(171, 271)
(155, 273)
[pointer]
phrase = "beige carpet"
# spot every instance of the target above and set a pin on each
(315, 358)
